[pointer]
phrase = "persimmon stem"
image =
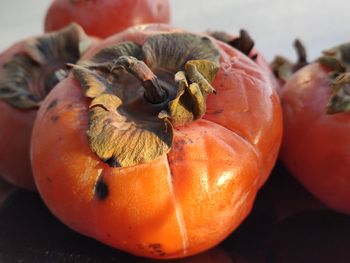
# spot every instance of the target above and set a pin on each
(153, 91)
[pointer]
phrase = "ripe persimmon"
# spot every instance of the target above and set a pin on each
(316, 144)
(157, 142)
(104, 18)
(28, 71)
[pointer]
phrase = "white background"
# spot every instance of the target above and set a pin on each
(273, 23)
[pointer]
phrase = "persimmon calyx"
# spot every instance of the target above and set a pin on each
(139, 92)
(340, 99)
(243, 43)
(27, 77)
(337, 59)
(283, 69)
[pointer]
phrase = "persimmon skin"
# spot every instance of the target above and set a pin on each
(106, 17)
(316, 145)
(182, 203)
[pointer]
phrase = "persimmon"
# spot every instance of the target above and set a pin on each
(28, 71)
(157, 142)
(103, 18)
(316, 144)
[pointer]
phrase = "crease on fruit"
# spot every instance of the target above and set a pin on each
(178, 211)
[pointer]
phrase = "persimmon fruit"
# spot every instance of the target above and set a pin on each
(103, 18)
(316, 144)
(158, 141)
(28, 71)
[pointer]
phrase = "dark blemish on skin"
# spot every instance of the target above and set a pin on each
(69, 106)
(101, 189)
(55, 118)
(108, 235)
(179, 144)
(156, 249)
(112, 162)
(48, 179)
(52, 104)
(155, 246)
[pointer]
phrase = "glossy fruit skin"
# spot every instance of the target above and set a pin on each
(316, 145)
(103, 18)
(262, 62)
(181, 203)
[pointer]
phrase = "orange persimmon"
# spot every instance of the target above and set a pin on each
(316, 144)
(103, 18)
(143, 156)
(28, 71)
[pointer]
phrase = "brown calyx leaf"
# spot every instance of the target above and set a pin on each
(139, 92)
(243, 43)
(173, 50)
(220, 35)
(124, 129)
(332, 63)
(283, 69)
(194, 85)
(121, 141)
(27, 77)
(337, 60)
(94, 84)
(340, 99)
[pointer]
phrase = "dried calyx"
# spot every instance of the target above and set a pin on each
(243, 43)
(28, 76)
(283, 68)
(337, 59)
(140, 92)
